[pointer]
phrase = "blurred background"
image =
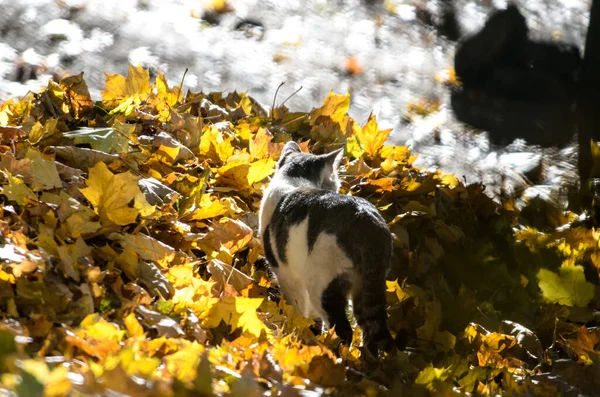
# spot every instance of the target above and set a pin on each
(395, 57)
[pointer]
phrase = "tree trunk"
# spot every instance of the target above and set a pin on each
(591, 63)
(588, 119)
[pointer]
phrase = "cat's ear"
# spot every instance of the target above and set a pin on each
(333, 159)
(289, 148)
(329, 173)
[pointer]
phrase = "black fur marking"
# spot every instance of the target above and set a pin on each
(301, 165)
(370, 311)
(349, 218)
(360, 232)
(334, 301)
(268, 249)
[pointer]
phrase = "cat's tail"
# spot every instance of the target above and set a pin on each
(370, 302)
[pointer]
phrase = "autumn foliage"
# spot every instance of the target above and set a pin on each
(131, 264)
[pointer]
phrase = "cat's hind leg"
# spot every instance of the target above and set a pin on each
(369, 303)
(334, 301)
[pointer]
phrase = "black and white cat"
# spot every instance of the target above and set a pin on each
(324, 246)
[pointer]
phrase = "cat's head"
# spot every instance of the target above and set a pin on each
(319, 170)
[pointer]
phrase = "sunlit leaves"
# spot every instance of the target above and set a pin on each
(44, 175)
(211, 207)
(108, 140)
(227, 237)
(371, 138)
(39, 132)
(335, 107)
(585, 345)
(237, 312)
(111, 194)
(16, 190)
(119, 88)
(173, 298)
(569, 287)
(77, 94)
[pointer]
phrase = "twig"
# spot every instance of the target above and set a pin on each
(275, 98)
(293, 93)
(181, 85)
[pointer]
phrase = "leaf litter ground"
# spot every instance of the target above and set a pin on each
(130, 261)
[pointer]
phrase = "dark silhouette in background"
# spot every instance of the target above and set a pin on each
(541, 91)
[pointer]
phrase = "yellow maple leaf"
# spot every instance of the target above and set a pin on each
(259, 144)
(371, 138)
(111, 194)
(433, 315)
(197, 297)
(215, 145)
(94, 326)
(211, 207)
(353, 147)
(133, 326)
(39, 131)
(285, 316)
(136, 86)
(181, 275)
(16, 190)
(569, 287)
(183, 363)
(260, 169)
(58, 383)
(242, 175)
(165, 97)
(429, 375)
(134, 363)
(169, 95)
(219, 6)
(335, 107)
(44, 175)
(237, 312)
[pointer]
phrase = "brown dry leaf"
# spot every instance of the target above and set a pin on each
(82, 158)
(10, 134)
(586, 345)
(78, 93)
(222, 274)
(228, 234)
(148, 248)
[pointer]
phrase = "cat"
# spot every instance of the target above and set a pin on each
(324, 246)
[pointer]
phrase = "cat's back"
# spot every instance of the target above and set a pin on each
(323, 205)
(353, 224)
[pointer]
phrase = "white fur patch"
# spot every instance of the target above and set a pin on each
(306, 275)
(278, 187)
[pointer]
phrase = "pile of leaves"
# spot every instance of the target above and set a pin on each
(131, 264)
